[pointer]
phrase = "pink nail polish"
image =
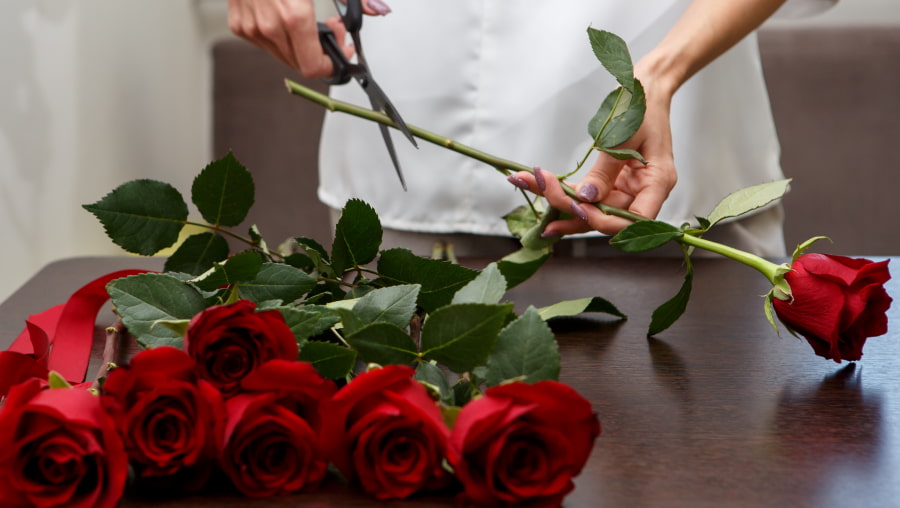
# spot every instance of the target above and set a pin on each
(518, 182)
(577, 211)
(587, 192)
(379, 7)
(539, 178)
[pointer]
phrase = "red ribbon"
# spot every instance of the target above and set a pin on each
(72, 326)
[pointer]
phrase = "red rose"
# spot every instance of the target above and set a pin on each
(836, 303)
(169, 419)
(385, 431)
(521, 444)
(16, 367)
(271, 441)
(58, 448)
(230, 341)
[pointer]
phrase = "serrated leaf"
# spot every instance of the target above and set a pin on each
(461, 336)
(619, 117)
(308, 321)
(143, 300)
(432, 375)
(357, 236)
(240, 268)
(644, 235)
(223, 191)
(666, 314)
(350, 323)
(439, 280)
(521, 265)
(198, 253)
(613, 54)
(395, 305)
(488, 287)
(383, 343)
(624, 154)
(569, 308)
(142, 216)
(331, 361)
(520, 220)
(525, 349)
(750, 198)
(277, 281)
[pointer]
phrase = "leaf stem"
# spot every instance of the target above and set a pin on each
(498, 163)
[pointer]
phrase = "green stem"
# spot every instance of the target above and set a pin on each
(767, 268)
(236, 236)
(500, 164)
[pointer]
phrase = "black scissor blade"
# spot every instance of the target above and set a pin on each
(390, 147)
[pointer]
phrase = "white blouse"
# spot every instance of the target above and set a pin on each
(519, 80)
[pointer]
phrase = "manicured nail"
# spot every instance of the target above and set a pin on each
(587, 192)
(551, 234)
(577, 211)
(539, 178)
(379, 7)
(518, 182)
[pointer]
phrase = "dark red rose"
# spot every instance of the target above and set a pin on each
(16, 367)
(836, 303)
(384, 431)
(170, 420)
(521, 444)
(230, 341)
(58, 448)
(271, 444)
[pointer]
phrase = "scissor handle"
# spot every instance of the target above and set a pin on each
(351, 13)
(339, 60)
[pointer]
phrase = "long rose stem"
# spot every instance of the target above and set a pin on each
(114, 336)
(500, 164)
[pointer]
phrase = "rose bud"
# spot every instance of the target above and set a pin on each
(169, 419)
(836, 303)
(58, 448)
(271, 444)
(521, 444)
(229, 341)
(384, 431)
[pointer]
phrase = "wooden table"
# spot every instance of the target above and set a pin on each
(718, 410)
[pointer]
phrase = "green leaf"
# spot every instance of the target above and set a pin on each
(613, 54)
(357, 236)
(624, 154)
(521, 265)
(619, 117)
(644, 235)
(223, 191)
(431, 375)
(55, 380)
(745, 200)
(308, 321)
(350, 323)
(198, 253)
(143, 300)
(532, 238)
(666, 314)
(331, 361)
(439, 280)
(805, 245)
(240, 268)
(571, 308)
(526, 349)
(384, 344)
(520, 220)
(277, 281)
(395, 305)
(179, 326)
(769, 311)
(142, 216)
(488, 287)
(461, 336)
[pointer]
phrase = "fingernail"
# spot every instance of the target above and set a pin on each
(379, 7)
(539, 178)
(577, 211)
(551, 234)
(587, 192)
(518, 182)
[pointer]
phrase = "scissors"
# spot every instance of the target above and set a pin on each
(344, 70)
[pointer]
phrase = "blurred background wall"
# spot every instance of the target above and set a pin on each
(94, 93)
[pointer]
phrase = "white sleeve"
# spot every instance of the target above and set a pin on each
(793, 9)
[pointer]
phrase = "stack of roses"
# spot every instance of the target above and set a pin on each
(237, 400)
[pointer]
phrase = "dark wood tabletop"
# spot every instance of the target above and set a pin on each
(718, 410)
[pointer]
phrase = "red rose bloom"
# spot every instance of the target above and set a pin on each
(385, 431)
(169, 419)
(229, 341)
(58, 448)
(836, 303)
(271, 444)
(521, 444)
